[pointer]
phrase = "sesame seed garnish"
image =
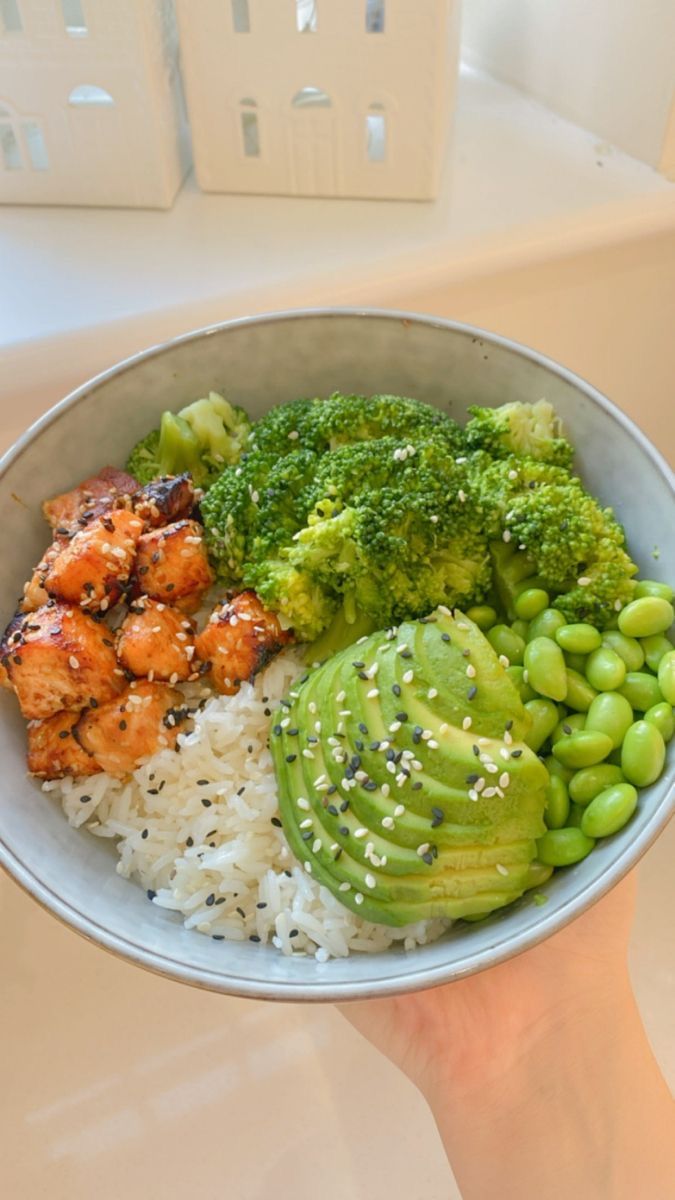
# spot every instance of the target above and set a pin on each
(503, 753)
(303, 804)
(395, 726)
(513, 474)
(73, 662)
(370, 880)
(508, 740)
(471, 671)
(489, 791)
(306, 824)
(584, 581)
(358, 898)
(470, 695)
(423, 849)
(502, 869)
(388, 822)
(316, 845)
(385, 789)
(504, 779)
(373, 694)
(461, 496)
(467, 722)
(408, 677)
(361, 832)
(432, 694)
(516, 753)
(473, 794)
(617, 606)
(344, 887)
(308, 867)
(506, 536)
(505, 662)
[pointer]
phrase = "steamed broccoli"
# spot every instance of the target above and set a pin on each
(527, 430)
(381, 528)
(546, 531)
(202, 438)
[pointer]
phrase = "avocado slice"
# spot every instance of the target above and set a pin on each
(405, 786)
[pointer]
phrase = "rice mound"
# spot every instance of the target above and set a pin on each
(200, 831)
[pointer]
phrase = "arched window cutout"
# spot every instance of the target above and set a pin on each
(88, 93)
(10, 15)
(74, 18)
(376, 134)
(250, 131)
(35, 142)
(306, 16)
(10, 151)
(374, 16)
(311, 97)
(241, 21)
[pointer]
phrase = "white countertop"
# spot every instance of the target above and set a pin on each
(119, 1083)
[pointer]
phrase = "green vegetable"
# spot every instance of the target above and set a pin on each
(563, 847)
(662, 716)
(202, 438)
(546, 624)
(641, 690)
(609, 811)
(610, 713)
(580, 694)
(643, 754)
(605, 669)
(645, 617)
(524, 430)
(557, 803)
(579, 638)
(543, 716)
(655, 647)
(570, 723)
(530, 603)
(583, 749)
(507, 643)
(545, 666)
(587, 783)
(652, 587)
(482, 615)
(629, 649)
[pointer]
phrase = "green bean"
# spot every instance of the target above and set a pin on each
(652, 587)
(655, 647)
(537, 873)
(530, 603)
(629, 649)
(643, 754)
(544, 716)
(667, 676)
(646, 616)
(579, 638)
(605, 669)
(586, 784)
(583, 749)
(483, 616)
(562, 847)
(609, 811)
(545, 665)
(521, 628)
(663, 717)
(576, 662)
(641, 690)
(557, 803)
(516, 674)
(580, 694)
(610, 713)
(504, 641)
(570, 723)
(546, 624)
(574, 819)
(555, 768)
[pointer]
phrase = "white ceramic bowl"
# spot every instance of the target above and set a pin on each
(259, 362)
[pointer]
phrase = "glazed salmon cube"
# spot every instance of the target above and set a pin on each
(157, 641)
(165, 500)
(54, 752)
(144, 719)
(94, 567)
(171, 565)
(240, 638)
(57, 658)
(72, 510)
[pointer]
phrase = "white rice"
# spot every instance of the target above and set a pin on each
(223, 866)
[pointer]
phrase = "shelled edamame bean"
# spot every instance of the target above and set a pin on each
(646, 616)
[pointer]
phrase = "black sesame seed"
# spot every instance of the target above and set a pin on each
(150, 894)
(210, 900)
(332, 789)
(85, 799)
(290, 758)
(356, 761)
(349, 772)
(170, 587)
(363, 675)
(466, 653)
(337, 854)
(359, 744)
(567, 728)
(144, 834)
(472, 692)
(390, 755)
(240, 911)
(202, 782)
(286, 703)
(509, 724)
(254, 937)
(438, 812)
(241, 790)
(358, 665)
(402, 717)
(276, 822)
(344, 831)
(218, 937)
(472, 778)
(344, 806)
(428, 858)
(206, 802)
(64, 733)
(220, 900)
(294, 933)
(516, 753)
(406, 653)
(396, 689)
(363, 728)
(292, 732)
(476, 750)
(436, 822)
(332, 810)
(261, 904)
(189, 841)
(287, 873)
(374, 745)
(307, 834)
(416, 786)
(445, 637)
(370, 785)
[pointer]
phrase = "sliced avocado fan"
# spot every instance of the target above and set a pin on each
(404, 783)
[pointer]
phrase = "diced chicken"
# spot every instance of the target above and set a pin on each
(34, 592)
(167, 499)
(157, 641)
(54, 752)
(171, 565)
(73, 510)
(239, 639)
(144, 719)
(60, 658)
(94, 567)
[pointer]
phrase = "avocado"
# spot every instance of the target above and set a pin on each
(387, 799)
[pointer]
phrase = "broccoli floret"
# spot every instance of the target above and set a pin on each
(546, 531)
(526, 430)
(301, 603)
(202, 438)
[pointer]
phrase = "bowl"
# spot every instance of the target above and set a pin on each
(259, 362)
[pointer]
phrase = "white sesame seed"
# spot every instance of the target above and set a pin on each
(303, 804)
(416, 764)
(583, 580)
(293, 435)
(432, 694)
(505, 662)
(316, 845)
(255, 497)
(461, 496)
(445, 727)
(508, 738)
(423, 849)
(285, 723)
(617, 606)
(385, 789)
(345, 712)
(462, 459)
(362, 640)
(442, 608)
(321, 954)
(358, 898)
(391, 768)
(471, 671)
(308, 867)
(506, 536)
(333, 741)
(504, 779)
(344, 887)
(340, 698)
(372, 694)
(473, 794)
(503, 753)
(372, 671)
(395, 726)
(399, 810)
(513, 474)
(463, 626)
(409, 676)
(491, 768)
(402, 647)
(502, 869)
(73, 662)
(489, 791)
(306, 824)
(426, 734)
(311, 707)
(388, 822)
(467, 722)
(480, 784)
(432, 744)
(361, 832)
(370, 880)
(401, 779)
(434, 519)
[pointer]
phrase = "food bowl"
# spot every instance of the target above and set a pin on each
(258, 362)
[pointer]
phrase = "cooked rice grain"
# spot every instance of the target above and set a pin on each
(222, 864)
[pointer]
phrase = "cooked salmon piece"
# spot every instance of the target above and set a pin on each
(171, 565)
(167, 499)
(5, 680)
(97, 494)
(54, 752)
(240, 638)
(57, 658)
(94, 567)
(157, 641)
(144, 719)
(34, 592)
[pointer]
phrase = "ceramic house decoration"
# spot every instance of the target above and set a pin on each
(90, 103)
(320, 97)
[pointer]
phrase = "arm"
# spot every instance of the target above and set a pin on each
(538, 1071)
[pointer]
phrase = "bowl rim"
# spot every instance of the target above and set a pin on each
(323, 990)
